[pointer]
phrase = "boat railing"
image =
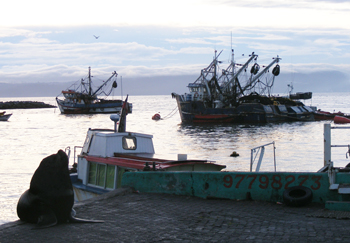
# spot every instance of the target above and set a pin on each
(67, 151)
(328, 145)
(261, 150)
(75, 151)
(328, 163)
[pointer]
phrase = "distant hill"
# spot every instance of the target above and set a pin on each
(133, 86)
(327, 81)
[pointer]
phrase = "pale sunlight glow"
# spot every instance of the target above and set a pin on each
(191, 13)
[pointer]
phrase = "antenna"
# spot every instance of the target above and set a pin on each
(121, 85)
(231, 40)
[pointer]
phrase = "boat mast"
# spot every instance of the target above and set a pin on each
(245, 65)
(261, 73)
(99, 88)
(205, 72)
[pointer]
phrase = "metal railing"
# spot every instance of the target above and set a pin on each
(327, 143)
(261, 149)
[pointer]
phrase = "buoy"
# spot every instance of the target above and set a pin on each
(234, 154)
(156, 117)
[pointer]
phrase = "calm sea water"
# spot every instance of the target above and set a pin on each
(30, 135)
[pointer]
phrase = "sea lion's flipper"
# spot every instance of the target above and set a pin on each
(73, 213)
(46, 219)
(72, 219)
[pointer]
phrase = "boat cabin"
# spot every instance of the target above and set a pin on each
(197, 92)
(94, 166)
(107, 154)
(104, 143)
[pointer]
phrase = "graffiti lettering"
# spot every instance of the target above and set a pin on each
(276, 182)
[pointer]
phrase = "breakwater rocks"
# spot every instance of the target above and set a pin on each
(24, 105)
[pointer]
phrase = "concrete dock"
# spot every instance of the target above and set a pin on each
(144, 217)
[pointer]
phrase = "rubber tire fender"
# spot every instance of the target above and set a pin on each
(297, 196)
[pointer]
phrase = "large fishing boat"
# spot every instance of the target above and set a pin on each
(84, 100)
(237, 96)
(107, 154)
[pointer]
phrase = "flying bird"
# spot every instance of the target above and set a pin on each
(96, 36)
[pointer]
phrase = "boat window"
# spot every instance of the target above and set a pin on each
(92, 173)
(129, 143)
(110, 176)
(101, 175)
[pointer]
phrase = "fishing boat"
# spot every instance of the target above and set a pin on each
(234, 95)
(108, 153)
(84, 100)
(4, 117)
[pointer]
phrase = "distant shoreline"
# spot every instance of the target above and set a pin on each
(24, 105)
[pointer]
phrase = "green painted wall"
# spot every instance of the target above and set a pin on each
(264, 186)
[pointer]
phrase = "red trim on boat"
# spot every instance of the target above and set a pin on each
(341, 120)
(138, 163)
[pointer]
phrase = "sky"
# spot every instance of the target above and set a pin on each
(47, 41)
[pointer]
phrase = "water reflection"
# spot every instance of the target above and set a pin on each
(217, 142)
(30, 135)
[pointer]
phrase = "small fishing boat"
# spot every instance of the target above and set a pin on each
(4, 117)
(325, 115)
(108, 153)
(298, 95)
(301, 96)
(341, 120)
(84, 100)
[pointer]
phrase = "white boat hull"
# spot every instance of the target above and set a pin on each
(94, 108)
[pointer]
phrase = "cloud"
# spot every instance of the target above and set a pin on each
(63, 54)
(182, 13)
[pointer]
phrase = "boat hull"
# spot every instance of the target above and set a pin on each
(123, 163)
(301, 96)
(5, 117)
(197, 112)
(107, 106)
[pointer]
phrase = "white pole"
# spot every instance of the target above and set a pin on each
(327, 144)
(274, 154)
(251, 160)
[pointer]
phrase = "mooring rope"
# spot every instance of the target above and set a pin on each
(173, 112)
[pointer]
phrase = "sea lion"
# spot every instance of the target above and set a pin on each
(50, 198)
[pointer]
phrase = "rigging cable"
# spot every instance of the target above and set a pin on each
(172, 113)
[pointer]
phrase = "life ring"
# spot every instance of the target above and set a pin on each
(297, 196)
(195, 95)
